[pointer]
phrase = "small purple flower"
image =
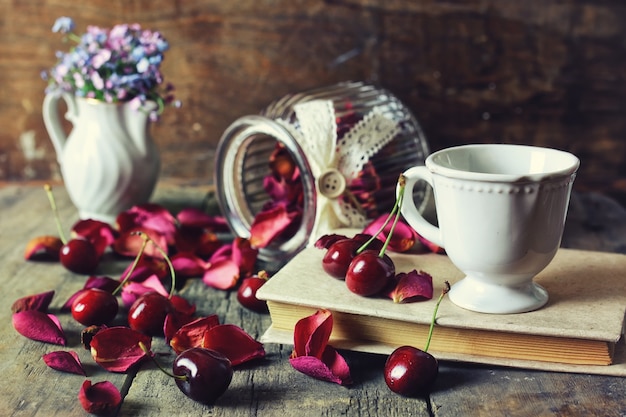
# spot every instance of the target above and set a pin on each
(63, 25)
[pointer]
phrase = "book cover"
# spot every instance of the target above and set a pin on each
(585, 314)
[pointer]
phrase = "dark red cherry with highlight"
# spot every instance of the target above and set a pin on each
(369, 273)
(147, 314)
(94, 307)
(202, 374)
(246, 293)
(411, 372)
(339, 255)
(79, 255)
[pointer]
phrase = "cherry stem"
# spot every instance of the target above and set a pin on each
(132, 268)
(145, 350)
(167, 259)
(446, 288)
(55, 211)
(394, 211)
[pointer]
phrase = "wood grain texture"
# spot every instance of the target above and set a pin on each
(269, 387)
(541, 72)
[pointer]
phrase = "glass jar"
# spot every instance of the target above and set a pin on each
(337, 152)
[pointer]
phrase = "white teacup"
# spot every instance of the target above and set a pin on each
(501, 210)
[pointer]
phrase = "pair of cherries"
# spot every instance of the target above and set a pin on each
(366, 268)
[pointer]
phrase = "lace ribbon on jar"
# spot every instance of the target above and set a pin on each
(334, 164)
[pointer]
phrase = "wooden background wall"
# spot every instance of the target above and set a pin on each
(543, 72)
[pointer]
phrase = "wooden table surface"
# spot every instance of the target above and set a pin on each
(270, 387)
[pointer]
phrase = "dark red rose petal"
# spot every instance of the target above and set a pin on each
(412, 286)
(182, 305)
(129, 243)
(192, 334)
(326, 241)
(101, 282)
(39, 302)
(311, 334)
(101, 398)
(64, 361)
(117, 349)
(100, 234)
(39, 326)
(173, 322)
(234, 343)
(403, 237)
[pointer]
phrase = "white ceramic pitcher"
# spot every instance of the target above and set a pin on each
(109, 161)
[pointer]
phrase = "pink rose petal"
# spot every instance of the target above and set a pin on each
(117, 349)
(149, 216)
(133, 290)
(193, 217)
(223, 274)
(101, 398)
(233, 342)
(43, 248)
(39, 326)
(189, 265)
(244, 255)
(39, 302)
(269, 224)
(64, 361)
(403, 238)
(223, 252)
(332, 369)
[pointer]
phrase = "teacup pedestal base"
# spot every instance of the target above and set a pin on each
(484, 297)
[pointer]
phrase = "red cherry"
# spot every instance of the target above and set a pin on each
(369, 273)
(246, 293)
(94, 307)
(79, 256)
(410, 371)
(202, 374)
(147, 314)
(339, 255)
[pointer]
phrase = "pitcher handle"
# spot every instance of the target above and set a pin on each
(411, 213)
(52, 121)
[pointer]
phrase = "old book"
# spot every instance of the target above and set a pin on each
(579, 330)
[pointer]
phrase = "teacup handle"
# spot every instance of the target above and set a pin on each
(411, 213)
